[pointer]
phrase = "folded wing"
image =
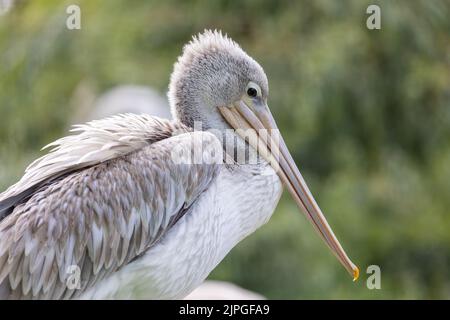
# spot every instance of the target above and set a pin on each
(101, 209)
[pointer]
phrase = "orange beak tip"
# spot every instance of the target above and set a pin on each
(272, 147)
(355, 274)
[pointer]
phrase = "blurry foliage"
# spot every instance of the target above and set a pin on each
(365, 113)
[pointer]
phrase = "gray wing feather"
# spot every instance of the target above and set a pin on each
(95, 142)
(99, 218)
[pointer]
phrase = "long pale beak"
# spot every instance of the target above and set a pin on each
(270, 145)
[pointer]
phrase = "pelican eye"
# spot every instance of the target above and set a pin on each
(252, 92)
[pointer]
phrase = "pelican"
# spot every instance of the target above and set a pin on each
(139, 204)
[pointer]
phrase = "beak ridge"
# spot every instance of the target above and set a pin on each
(270, 144)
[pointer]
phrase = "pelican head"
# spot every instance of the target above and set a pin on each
(217, 84)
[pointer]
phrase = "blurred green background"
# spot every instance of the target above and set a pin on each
(366, 114)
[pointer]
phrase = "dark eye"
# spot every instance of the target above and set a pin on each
(252, 92)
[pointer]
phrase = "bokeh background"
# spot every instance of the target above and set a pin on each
(366, 114)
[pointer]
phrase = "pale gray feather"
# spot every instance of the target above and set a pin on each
(98, 214)
(104, 196)
(95, 142)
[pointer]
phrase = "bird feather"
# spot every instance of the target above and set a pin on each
(98, 212)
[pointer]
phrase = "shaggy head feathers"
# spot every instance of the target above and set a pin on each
(212, 71)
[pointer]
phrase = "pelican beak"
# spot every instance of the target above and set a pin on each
(253, 121)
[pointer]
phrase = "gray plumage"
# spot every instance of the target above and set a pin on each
(99, 218)
(104, 196)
